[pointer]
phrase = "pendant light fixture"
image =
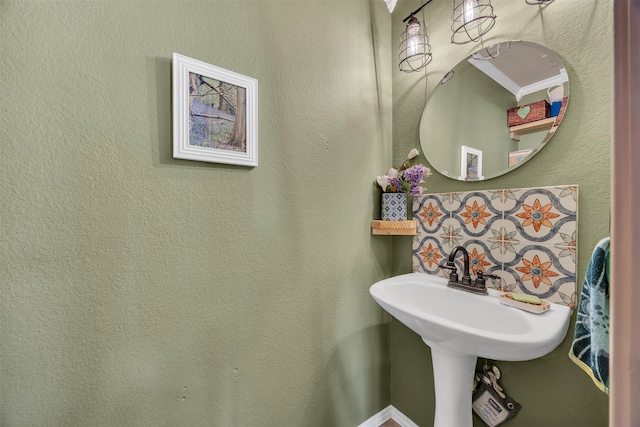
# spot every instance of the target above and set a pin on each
(415, 50)
(471, 19)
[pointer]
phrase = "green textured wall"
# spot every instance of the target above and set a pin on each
(138, 290)
(552, 390)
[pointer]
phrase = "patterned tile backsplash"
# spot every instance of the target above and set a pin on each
(525, 236)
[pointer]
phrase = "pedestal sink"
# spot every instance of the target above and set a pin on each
(460, 327)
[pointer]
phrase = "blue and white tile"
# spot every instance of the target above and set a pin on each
(503, 200)
(499, 242)
(450, 235)
(538, 271)
(567, 250)
(538, 216)
(504, 240)
(450, 201)
(476, 215)
(429, 212)
(428, 256)
(567, 195)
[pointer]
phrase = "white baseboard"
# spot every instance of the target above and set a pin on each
(401, 418)
(378, 419)
(387, 413)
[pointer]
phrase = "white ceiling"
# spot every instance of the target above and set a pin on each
(524, 68)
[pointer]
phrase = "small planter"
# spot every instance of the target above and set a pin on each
(394, 206)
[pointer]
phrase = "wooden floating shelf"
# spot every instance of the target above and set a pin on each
(398, 228)
(537, 126)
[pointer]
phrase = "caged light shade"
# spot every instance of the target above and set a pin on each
(415, 50)
(471, 19)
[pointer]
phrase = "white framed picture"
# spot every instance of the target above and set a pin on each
(470, 164)
(215, 114)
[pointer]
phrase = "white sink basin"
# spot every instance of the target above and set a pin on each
(459, 327)
(465, 323)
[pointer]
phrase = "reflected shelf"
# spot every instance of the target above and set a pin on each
(537, 126)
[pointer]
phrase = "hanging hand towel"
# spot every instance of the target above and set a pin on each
(590, 348)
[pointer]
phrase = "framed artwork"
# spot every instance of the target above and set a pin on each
(215, 114)
(516, 157)
(471, 164)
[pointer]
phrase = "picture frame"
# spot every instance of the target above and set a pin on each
(215, 114)
(470, 164)
(516, 157)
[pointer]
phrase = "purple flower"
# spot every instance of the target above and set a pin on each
(414, 174)
(394, 181)
(415, 190)
(406, 178)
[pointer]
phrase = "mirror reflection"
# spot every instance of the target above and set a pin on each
(494, 110)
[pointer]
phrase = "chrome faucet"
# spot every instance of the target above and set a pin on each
(477, 286)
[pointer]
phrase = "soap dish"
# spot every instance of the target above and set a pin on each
(532, 308)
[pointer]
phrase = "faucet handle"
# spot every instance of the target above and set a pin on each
(481, 278)
(449, 265)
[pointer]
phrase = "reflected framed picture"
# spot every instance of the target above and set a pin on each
(470, 164)
(215, 114)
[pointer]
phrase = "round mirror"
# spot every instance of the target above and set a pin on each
(494, 110)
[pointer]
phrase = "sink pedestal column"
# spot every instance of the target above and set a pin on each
(453, 379)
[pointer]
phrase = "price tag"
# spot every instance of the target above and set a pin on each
(490, 403)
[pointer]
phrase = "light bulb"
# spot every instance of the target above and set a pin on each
(413, 27)
(413, 45)
(413, 42)
(469, 10)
